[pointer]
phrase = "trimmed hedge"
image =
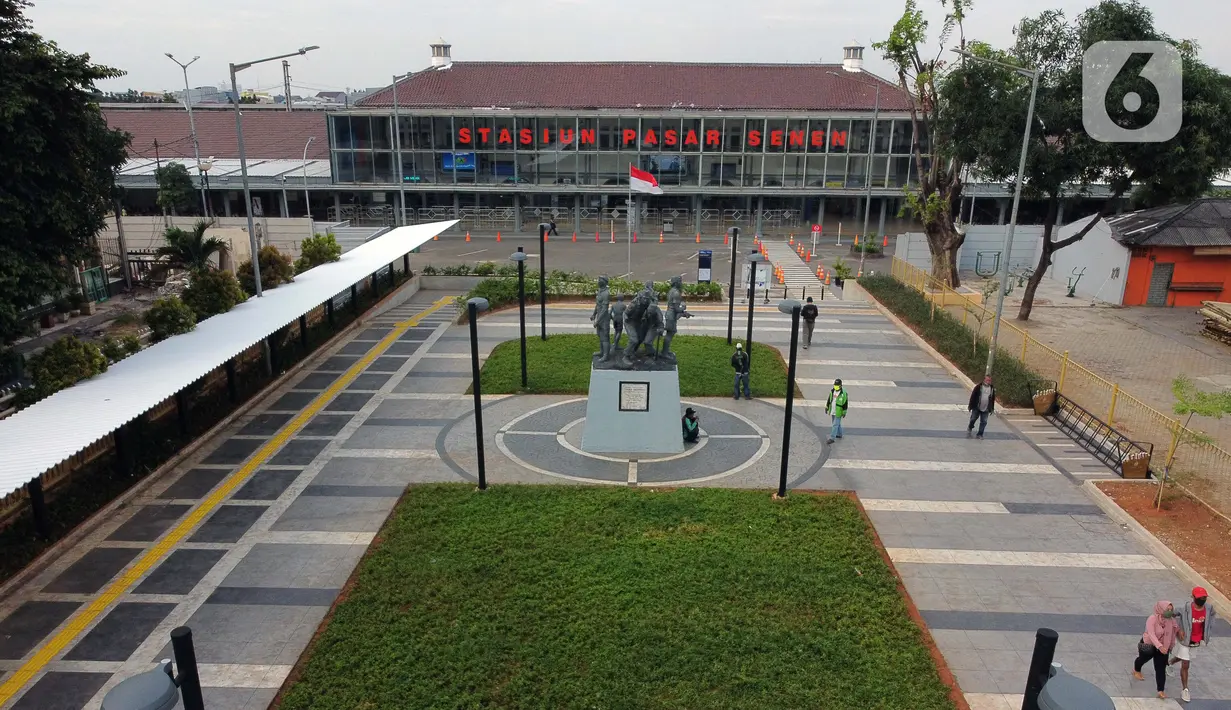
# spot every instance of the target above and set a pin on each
(502, 291)
(952, 339)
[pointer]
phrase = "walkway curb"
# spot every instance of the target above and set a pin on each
(1156, 546)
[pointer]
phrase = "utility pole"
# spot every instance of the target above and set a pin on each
(166, 222)
(286, 82)
(192, 127)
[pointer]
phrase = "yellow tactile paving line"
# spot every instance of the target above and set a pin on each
(50, 649)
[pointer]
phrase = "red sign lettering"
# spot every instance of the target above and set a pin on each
(630, 136)
(565, 135)
(818, 139)
(775, 138)
(587, 136)
(754, 139)
(463, 135)
(526, 136)
(484, 134)
(796, 137)
(713, 138)
(650, 138)
(505, 136)
(670, 137)
(690, 138)
(837, 139)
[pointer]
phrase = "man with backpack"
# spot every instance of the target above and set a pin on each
(809, 314)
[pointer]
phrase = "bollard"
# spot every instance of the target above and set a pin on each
(1068, 692)
(1040, 662)
(152, 690)
(186, 661)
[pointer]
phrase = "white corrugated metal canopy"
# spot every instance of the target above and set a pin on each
(49, 432)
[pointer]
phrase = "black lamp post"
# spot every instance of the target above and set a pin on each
(793, 307)
(753, 259)
(520, 257)
(734, 233)
(473, 307)
(543, 227)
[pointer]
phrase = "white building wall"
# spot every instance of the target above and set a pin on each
(1104, 259)
(147, 232)
(913, 247)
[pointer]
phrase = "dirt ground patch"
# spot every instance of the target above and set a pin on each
(1185, 526)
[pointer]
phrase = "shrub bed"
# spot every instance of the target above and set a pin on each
(501, 292)
(952, 339)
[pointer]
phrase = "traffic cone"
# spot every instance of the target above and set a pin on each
(698, 237)
(436, 238)
(546, 237)
(660, 237)
(574, 236)
(596, 236)
(634, 237)
(826, 278)
(885, 241)
(756, 239)
(497, 237)
(856, 241)
(726, 238)
(808, 258)
(819, 271)
(468, 235)
(792, 240)
(860, 274)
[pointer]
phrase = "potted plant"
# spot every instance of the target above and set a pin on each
(62, 307)
(1136, 465)
(1044, 400)
(841, 272)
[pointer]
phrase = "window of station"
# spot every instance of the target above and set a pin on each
(901, 137)
(608, 134)
(838, 138)
(341, 133)
(628, 133)
(774, 138)
(382, 137)
(774, 167)
(672, 139)
(794, 171)
(884, 130)
(344, 166)
(651, 134)
(363, 166)
(384, 168)
(797, 138)
(752, 166)
(733, 135)
(835, 171)
(859, 136)
(690, 135)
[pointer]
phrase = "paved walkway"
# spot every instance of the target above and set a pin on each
(250, 542)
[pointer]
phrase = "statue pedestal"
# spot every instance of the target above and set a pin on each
(630, 411)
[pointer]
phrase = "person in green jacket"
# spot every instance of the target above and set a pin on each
(835, 407)
(692, 427)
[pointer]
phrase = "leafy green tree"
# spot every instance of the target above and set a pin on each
(191, 250)
(58, 161)
(176, 192)
(936, 198)
(212, 292)
(276, 268)
(987, 104)
(169, 316)
(1189, 400)
(62, 364)
(316, 250)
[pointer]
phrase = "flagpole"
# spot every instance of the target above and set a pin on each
(630, 219)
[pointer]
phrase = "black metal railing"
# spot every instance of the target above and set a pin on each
(1099, 438)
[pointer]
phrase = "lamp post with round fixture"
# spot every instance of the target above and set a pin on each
(519, 256)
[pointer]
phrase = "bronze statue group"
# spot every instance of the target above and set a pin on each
(644, 320)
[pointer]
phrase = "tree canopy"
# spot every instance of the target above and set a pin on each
(176, 193)
(57, 164)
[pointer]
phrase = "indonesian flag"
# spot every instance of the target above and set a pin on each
(641, 181)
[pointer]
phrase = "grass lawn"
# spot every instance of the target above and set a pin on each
(561, 365)
(587, 597)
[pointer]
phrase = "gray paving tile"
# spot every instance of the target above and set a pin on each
(451, 373)
(250, 634)
(325, 425)
(298, 452)
(929, 384)
(266, 424)
(316, 381)
(386, 363)
(295, 565)
(404, 347)
(228, 523)
(149, 523)
(266, 485)
(238, 698)
(367, 472)
(395, 421)
(356, 347)
(373, 334)
(120, 632)
(335, 514)
(392, 437)
(62, 690)
(92, 572)
(29, 624)
(923, 433)
(368, 382)
(180, 572)
(817, 346)
(195, 483)
(353, 491)
(1063, 623)
(1053, 509)
(293, 401)
(338, 363)
(273, 596)
(348, 402)
(233, 451)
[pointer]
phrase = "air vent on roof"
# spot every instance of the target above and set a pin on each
(441, 58)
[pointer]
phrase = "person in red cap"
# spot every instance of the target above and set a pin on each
(1196, 621)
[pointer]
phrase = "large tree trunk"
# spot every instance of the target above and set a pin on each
(1040, 269)
(943, 243)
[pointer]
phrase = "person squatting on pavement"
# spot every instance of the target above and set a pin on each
(835, 407)
(692, 427)
(1154, 645)
(739, 363)
(982, 404)
(809, 314)
(1196, 624)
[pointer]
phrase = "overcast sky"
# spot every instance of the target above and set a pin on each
(364, 42)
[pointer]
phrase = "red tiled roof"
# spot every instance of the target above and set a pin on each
(268, 134)
(641, 85)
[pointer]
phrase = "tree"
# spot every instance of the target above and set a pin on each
(939, 167)
(176, 192)
(276, 268)
(318, 249)
(62, 364)
(191, 250)
(1191, 401)
(57, 165)
(169, 316)
(987, 105)
(211, 292)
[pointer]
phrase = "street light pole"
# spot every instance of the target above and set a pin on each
(1007, 249)
(793, 307)
(307, 201)
(543, 278)
(734, 232)
(473, 307)
(753, 260)
(243, 160)
(867, 200)
(397, 154)
(192, 128)
(520, 258)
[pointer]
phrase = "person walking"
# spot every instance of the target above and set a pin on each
(835, 407)
(982, 403)
(809, 314)
(1160, 635)
(1196, 623)
(739, 363)
(692, 427)
(551, 229)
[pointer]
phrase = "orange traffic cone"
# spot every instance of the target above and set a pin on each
(436, 238)
(860, 274)
(726, 239)
(574, 236)
(497, 237)
(660, 237)
(819, 271)
(698, 237)
(856, 240)
(756, 239)
(596, 236)
(468, 236)
(885, 241)
(792, 240)
(808, 258)
(634, 237)
(546, 237)
(826, 278)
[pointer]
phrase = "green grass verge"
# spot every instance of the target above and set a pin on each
(952, 339)
(592, 597)
(561, 365)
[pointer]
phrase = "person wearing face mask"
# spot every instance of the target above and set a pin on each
(835, 407)
(1160, 635)
(1196, 623)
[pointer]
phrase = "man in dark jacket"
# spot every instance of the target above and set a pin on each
(982, 403)
(739, 363)
(809, 314)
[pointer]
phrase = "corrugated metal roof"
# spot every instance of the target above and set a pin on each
(45, 434)
(226, 167)
(1203, 223)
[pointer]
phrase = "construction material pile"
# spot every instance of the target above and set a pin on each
(1217, 320)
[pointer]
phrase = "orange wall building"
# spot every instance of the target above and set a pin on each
(1180, 254)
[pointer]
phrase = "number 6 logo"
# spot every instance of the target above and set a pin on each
(1102, 63)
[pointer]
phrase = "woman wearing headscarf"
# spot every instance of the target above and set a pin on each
(1160, 635)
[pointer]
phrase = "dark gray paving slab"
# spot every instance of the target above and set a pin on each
(1053, 508)
(338, 363)
(1063, 623)
(417, 333)
(818, 346)
(62, 690)
(433, 385)
(544, 452)
(404, 347)
(92, 572)
(29, 624)
(273, 596)
(233, 451)
(466, 374)
(386, 363)
(180, 572)
(924, 433)
(348, 402)
(325, 425)
(266, 485)
(266, 424)
(195, 483)
(316, 381)
(312, 513)
(293, 401)
(295, 565)
(716, 456)
(397, 421)
(373, 334)
(368, 382)
(356, 347)
(298, 452)
(228, 523)
(149, 523)
(332, 491)
(929, 384)
(250, 634)
(120, 632)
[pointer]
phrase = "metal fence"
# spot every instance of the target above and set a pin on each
(1204, 467)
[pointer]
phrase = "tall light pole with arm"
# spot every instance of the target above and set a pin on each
(1007, 249)
(307, 204)
(243, 160)
(867, 200)
(192, 128)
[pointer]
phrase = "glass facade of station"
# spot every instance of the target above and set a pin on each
(763, 152)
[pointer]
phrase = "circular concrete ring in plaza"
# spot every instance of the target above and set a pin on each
(547, 440)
